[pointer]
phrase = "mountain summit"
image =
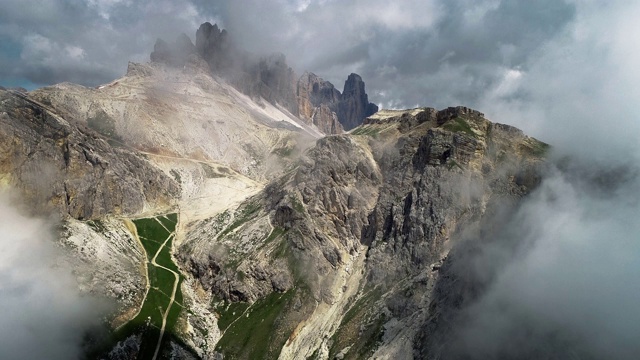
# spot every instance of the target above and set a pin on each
(270, 78)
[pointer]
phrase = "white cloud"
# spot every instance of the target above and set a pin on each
(580, 91)
(510, 82)
(44, 316)
(567, 289)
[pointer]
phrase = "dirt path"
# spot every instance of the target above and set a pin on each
(196, 161)
(173, 292)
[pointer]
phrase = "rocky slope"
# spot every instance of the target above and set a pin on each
(338, 250)
(184, 113)
(354, 237)
(68, 169)
(71, 167)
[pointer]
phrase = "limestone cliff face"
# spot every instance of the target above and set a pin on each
(356, 235)
(314, 100)
(272, 79)
(72, 168)
(354, 105)
(322, 104)
(214, 46)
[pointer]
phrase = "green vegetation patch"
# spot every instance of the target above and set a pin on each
(452, 163)
(459, 125)
(296, 204)
(156, 235)
(252, 335)
(359, 329)
(97, 226)
(275, 233)
(286, 151)
(369, 130)
(176, 175)
(537, 148)
(230, 312)
(210, 172)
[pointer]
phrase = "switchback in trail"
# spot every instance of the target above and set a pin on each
(162, 305)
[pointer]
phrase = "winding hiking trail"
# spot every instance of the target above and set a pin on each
(171, 235)
(173, 292)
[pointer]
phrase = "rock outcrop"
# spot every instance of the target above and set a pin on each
(73, 168)
(175, 54)
(320, 103)
(316, 103)
(215, 47)
(354, 105)
(314, 100)
(361, 229)
(270, 79)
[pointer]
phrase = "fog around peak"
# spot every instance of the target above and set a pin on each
(562, 271)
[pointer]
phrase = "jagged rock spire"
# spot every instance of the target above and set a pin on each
(269, 77)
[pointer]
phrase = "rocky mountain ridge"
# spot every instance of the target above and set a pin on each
(71, 167)
(314, 100)
(356, 235)
(283, 243)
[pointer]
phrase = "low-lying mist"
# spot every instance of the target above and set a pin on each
(563, 271)
(43, 314)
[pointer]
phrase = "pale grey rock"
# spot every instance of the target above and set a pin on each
(403, 194)
(71, 168)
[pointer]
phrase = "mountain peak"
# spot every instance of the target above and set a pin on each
(354, 106)
(316, 101)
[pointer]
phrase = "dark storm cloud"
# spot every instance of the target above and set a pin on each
(87, 42)
(466, 52)
(579, 91)
(435, 53)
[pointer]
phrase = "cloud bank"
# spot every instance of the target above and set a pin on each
(43, 315)
(537, 65)
(563, 272)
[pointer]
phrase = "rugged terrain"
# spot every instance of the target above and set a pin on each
(353, 238)
(218, 198)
